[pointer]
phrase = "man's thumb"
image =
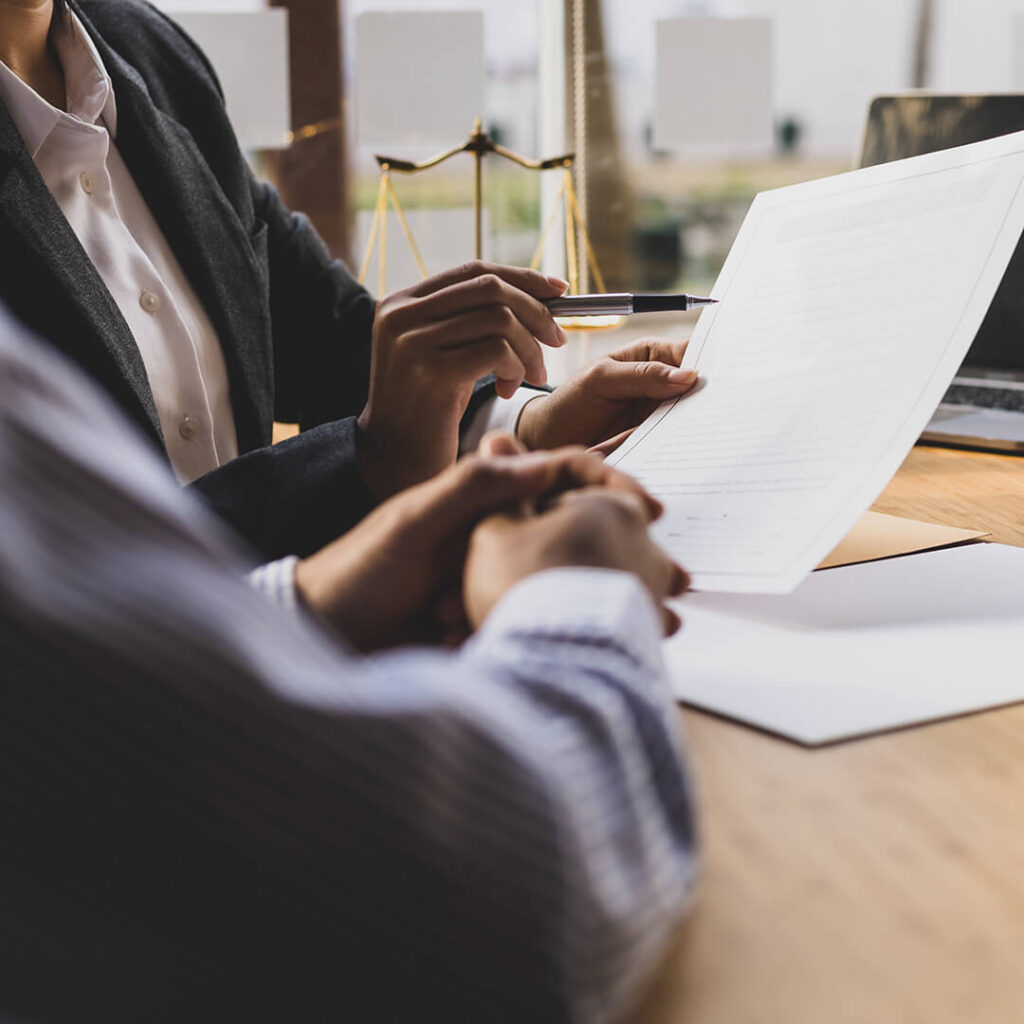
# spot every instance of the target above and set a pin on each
(499, 443)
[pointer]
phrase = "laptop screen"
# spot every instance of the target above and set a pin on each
(908, 125)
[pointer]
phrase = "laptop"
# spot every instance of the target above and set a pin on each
(984, 407)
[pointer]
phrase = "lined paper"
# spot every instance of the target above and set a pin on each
(847, 305)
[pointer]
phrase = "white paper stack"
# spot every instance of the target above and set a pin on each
(860, 649)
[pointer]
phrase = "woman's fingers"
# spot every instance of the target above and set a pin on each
(470, 310)
(670, 621)
(463, 332)
(504, 472)
(620, 379)
(680, 580)
(568, 469)
(489, 354)
(497, 442)
(486, 292)
(659, 350)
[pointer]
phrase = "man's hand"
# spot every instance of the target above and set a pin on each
(431, 343)
(605, 402)
(592, 527)
(384, 582)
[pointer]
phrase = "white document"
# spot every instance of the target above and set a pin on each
(847, 305)
(862, 648)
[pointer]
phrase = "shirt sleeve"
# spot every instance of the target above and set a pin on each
(496, 414)
(276, 581)
(584, 646)
(216, 806)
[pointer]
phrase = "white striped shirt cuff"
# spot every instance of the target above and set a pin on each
(497, 414)
(587, 604)
(276, 581)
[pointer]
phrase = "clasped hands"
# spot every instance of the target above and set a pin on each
(432, 342)
(429, 564)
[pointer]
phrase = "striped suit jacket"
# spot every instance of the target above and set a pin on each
(212, 811)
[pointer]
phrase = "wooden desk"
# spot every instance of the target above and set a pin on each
(875, 881)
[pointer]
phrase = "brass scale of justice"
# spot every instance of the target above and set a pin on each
(479, 144)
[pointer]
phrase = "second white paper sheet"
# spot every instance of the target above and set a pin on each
(861, 648)
(847, 305)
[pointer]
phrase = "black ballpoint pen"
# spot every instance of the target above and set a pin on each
(623, 302)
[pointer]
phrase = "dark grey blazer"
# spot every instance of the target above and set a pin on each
(294, 325)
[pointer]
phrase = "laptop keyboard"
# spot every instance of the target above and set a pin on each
(986, 397)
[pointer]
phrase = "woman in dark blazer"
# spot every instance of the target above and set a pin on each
(379, 393)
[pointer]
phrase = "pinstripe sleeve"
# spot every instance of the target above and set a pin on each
(211, 811)
(276, 580)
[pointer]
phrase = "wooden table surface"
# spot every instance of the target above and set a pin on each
(879, 880)
(875, 881)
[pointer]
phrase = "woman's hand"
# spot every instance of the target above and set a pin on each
(396, 577)
(602, 405)
(431, 343)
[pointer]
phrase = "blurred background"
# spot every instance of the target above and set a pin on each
(634, 87)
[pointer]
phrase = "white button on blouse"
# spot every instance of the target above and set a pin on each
(188, 428)
(77, 158)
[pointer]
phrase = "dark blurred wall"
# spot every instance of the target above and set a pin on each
(311, 174)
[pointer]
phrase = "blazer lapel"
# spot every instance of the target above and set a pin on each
(206, 235)
(50, 283)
